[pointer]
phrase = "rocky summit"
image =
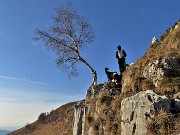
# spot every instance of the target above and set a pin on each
(145, 102)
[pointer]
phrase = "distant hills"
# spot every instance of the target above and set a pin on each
(4, 132)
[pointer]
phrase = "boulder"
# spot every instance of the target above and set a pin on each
(141, 108)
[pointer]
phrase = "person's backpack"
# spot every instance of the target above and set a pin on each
(124, 53)
(121, 54)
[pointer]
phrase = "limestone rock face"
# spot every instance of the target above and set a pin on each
(103, 111)
(141, 108)
(79, 115)
(157, 69)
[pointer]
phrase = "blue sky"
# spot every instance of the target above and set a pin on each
(30, 82)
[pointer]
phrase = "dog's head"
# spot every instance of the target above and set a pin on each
(106, 69)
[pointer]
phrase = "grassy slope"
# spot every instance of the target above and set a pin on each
(58, 122)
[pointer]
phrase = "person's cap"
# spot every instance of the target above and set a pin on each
(119, 47)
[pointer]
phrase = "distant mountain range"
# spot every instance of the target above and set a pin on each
(4, 132)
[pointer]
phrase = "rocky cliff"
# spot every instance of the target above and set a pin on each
(146, 102)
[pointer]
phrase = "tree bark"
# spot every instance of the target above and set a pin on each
(94, 82)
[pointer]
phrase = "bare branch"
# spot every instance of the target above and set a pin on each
(52, 39)
(69, 34)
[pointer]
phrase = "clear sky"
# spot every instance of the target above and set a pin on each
(30, 82)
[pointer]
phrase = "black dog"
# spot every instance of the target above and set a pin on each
(117, 78)
(113, 76)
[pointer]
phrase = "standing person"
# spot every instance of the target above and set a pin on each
(120, 55)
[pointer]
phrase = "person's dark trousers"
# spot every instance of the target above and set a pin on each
(121, 62)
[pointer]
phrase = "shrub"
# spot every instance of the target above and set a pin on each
(42, 117)
(90, 119)
(106, 100)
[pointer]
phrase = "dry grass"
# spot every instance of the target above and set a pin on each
(164, 123)
(168, 86)
(104, 113)
(168, 47)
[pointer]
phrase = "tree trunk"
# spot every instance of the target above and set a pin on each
(94, 82)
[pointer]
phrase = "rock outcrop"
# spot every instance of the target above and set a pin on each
(154, 40)
(158, 69)
(79, 118)
(140, 109)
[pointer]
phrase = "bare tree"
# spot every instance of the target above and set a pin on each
(68, 36)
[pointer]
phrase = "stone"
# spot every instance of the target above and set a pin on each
(177, 25)
(139, 109)
(157, 69)
(91, 131)
(79, 118)
(154, 40)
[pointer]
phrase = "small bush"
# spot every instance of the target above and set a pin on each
(28, 126)
(139, 79)
(90, 119)
(42, 117)
(106, 100)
